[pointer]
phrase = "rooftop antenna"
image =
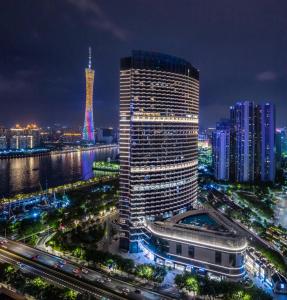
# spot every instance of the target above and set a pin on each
(90, 57)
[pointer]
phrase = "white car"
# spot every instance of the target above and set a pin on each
(125, 291)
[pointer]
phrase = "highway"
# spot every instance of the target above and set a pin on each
(68, 274)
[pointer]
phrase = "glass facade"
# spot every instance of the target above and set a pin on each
(242, 117)
(159, 97)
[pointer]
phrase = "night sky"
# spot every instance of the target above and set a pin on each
(240, 48)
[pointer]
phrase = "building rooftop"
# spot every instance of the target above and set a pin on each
(205, 227)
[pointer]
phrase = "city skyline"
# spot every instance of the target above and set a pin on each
(154, 167)
(44, 70)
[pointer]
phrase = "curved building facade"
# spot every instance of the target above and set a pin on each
(197, 240)
(159, 97)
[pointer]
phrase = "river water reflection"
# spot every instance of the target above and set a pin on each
(23, 175)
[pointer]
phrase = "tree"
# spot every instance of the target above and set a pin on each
(39, 283)
(70, 295)
(145, 271)
(240, 295)
(159, 274)
(179, 281)
(192, 284)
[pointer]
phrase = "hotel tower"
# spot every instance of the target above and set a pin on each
(159, 97)
(88, 130)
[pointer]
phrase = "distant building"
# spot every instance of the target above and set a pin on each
(71, 137)
(203, 140)
(88, 129)
(281, 146)
(24, 137)
(249, 138)
(221, 151)
(105, 135)
(243, 120)
(3, 138)
(267, 158)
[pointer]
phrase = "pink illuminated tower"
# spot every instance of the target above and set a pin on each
(88, 130)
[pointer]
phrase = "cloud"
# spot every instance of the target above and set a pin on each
(20, 81)
(99, 20)
(11, 85)
(266, 76)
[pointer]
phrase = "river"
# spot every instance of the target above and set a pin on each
(29, 174)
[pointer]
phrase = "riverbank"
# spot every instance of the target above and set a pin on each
(62, 188)
(12, 154)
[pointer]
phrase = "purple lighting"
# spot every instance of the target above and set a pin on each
(88, 130)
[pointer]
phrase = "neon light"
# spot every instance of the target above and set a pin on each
(148, 169)
(88, 130)
(186, 239)
(161, 119)
(146, 249)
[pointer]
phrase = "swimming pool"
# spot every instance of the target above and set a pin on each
(202, 220)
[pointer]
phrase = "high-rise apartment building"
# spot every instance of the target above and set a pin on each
(242, 115)
(221, 150)
(267, 159)
(88, 129)
(281, 145)
(159, 97)
(251, 144)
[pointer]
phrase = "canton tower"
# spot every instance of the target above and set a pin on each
(88, 130)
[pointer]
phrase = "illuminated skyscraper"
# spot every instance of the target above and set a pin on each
(221, 150)
(159, 97)
(243, 120)
(267, 140)
(88, 130)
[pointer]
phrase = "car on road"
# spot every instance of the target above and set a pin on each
(76, 270)
(100, 280)
(56, 265)
(3, 243)
(21, 265)
(35, 257)
(138, 291)
(125, 291)
(85, 271)
(62, 261)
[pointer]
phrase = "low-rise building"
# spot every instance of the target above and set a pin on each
(201, 239)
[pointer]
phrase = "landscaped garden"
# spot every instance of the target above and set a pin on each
(203, 286)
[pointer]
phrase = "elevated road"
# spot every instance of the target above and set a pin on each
(53, 276)
(70, 275)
